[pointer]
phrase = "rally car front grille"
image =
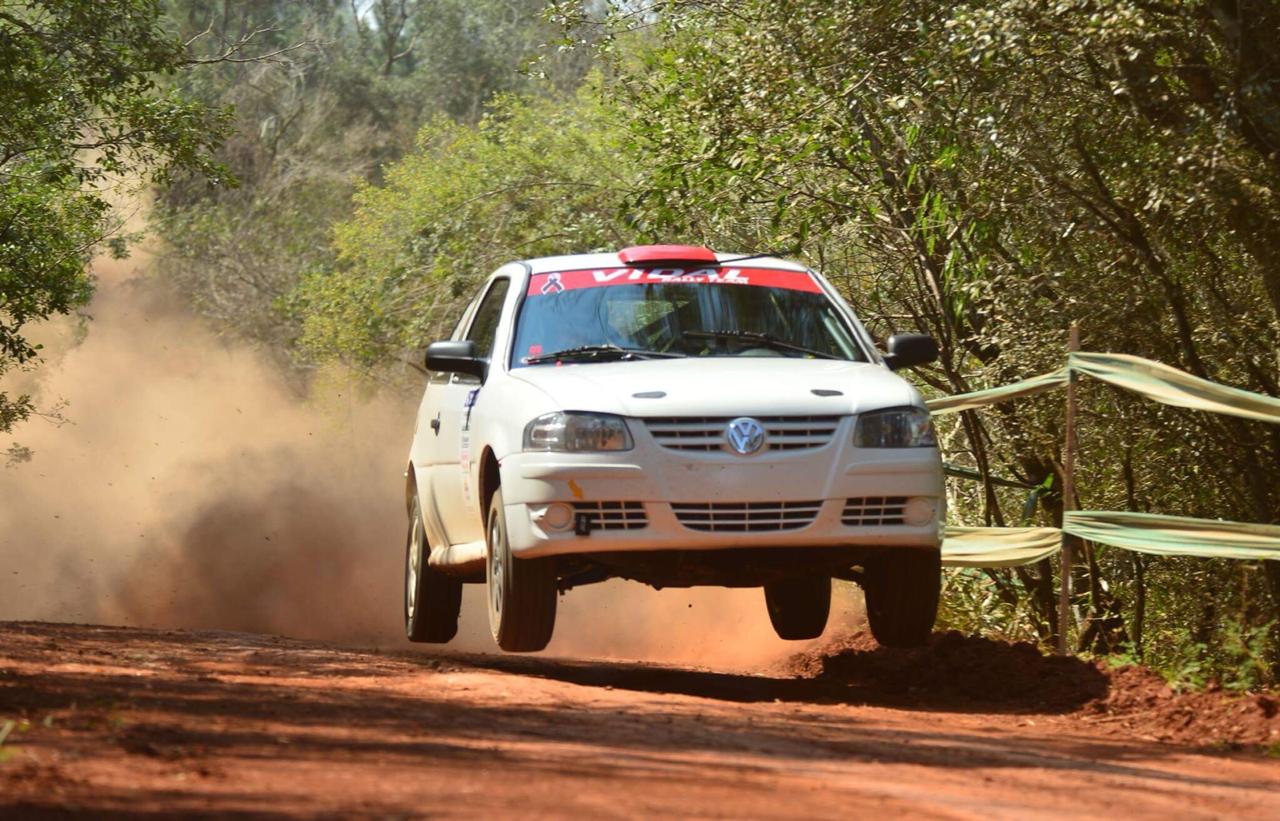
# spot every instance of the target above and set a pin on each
(707, 433)
(745, 517)
(614, 515)
(873, 510)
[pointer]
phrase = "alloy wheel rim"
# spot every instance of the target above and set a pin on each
(415, 568)
(495, 568)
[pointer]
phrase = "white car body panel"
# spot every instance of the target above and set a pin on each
(446, 465)
(742, 386)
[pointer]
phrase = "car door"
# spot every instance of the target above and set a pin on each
(429, 453)
(451, 477)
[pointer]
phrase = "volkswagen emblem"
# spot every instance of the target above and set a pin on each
(745, 436)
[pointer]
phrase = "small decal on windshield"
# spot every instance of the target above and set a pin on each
(556, 282)
(552, 285)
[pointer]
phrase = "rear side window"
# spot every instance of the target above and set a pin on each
(484, 327)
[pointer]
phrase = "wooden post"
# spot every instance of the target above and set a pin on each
(1068, 497)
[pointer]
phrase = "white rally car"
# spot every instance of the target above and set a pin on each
(676, 417)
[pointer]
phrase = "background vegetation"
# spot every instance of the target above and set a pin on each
(987, 171)
(344, 91)
(80, 108)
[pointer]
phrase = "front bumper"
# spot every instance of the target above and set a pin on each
(652, 478)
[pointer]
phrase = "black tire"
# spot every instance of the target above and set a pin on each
(432, 600)
(902, 590)
(798, 608)
(521, 592)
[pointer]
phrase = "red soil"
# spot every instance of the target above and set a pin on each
(111, 722)
(966, 672)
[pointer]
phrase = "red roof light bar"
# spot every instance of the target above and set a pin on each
(667, 254)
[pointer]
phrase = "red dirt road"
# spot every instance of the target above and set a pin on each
(119, 722)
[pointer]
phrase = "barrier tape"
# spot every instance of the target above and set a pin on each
(991, 396)
(1151, 533)
(1154, 380)
(999, 546)
(1142, 532)
(1171, 386)
(1175, 535)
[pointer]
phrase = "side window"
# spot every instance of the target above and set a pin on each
(444, 377)
(456, 333)
(484, 326)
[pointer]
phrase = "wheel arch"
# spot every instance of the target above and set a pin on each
(410, 488)
(490, 480)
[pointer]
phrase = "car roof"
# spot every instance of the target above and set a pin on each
(577, 262)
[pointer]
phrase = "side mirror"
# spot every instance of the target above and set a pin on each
(456, 357)
(909, 350)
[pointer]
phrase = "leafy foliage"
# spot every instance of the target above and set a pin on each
(534, 177)
(344, 90)
(81, 107)
(989, 172)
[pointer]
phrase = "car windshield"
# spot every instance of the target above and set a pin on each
(626, 313)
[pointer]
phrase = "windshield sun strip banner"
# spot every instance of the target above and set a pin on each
(555, 282)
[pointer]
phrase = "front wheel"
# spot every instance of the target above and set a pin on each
(432, 600)
(522, 592)
(798, 608)
(902, 588)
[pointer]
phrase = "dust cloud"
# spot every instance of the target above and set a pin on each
(706, 627)
(192, 487)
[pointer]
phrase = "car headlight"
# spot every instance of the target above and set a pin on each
(577, 432)
(895, 428)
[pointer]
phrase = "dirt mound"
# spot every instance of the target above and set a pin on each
(962, 672)
(1139, 702)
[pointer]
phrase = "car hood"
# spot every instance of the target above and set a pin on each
(721, 386)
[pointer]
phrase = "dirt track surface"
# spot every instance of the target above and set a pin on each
(112, 721)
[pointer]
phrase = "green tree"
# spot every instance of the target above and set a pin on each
(317, 120)
(988, 172)
(81, 107)
(536, 176)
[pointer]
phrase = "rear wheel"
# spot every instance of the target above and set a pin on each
(902, 590)
(432, 600)
(799, 608)
(522, 592)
